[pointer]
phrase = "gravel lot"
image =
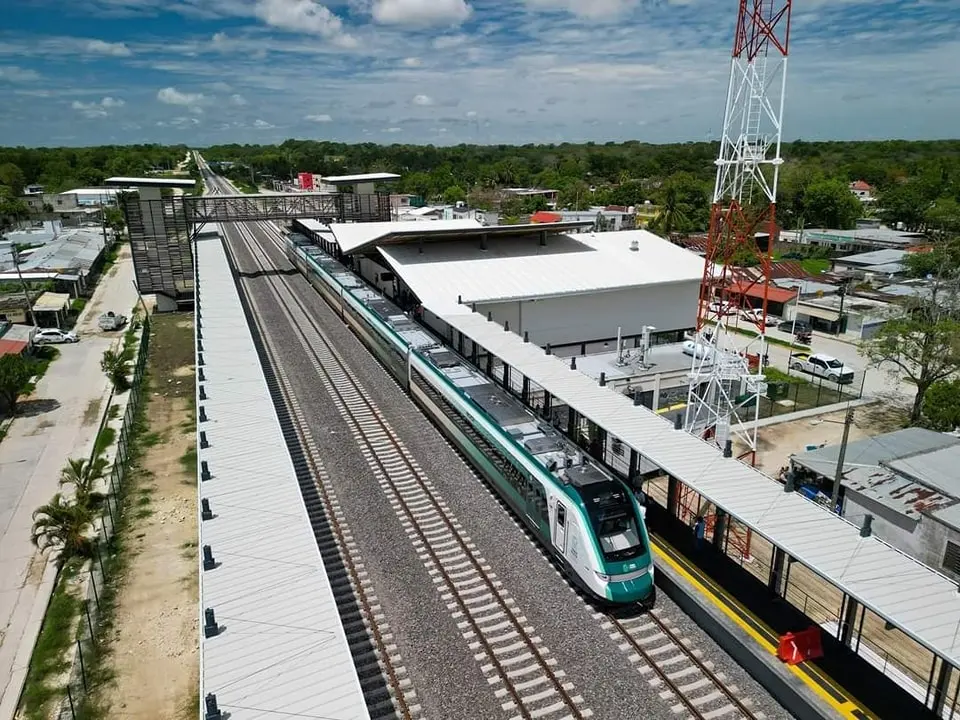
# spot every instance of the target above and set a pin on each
(441, 666)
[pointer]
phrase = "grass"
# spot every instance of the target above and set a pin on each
(815, 266)
(78, 305)
(42, 357)
(56, 637)
(105, 439)
(189, 461)
(803, 393)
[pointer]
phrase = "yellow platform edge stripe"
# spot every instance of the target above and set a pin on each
(727, 604)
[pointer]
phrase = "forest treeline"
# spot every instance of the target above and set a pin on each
(917, 183)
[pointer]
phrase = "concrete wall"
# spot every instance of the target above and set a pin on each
(579, 318)
(924, 539)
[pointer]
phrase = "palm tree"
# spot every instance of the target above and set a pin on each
(115, 366)
(83, 475)
(63, 526)
(671, 215)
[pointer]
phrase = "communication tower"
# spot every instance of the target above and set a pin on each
(726, 380)
(727, 375)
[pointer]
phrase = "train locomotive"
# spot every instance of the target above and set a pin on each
(589, 520)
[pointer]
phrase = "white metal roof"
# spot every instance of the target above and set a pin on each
(151, 182)
(352, 236)
(514, 268)
(918, 600)
(363, 177)
(282, 651)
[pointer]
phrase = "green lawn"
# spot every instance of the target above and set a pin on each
(815, 266)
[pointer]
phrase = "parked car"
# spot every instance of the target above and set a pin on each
(823, 366)
(52, 336)
(111, 321)
(751, 315)
(722, 309)
(697, 350)
(800, 327)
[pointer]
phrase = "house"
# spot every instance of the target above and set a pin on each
(549, 195)
(907, 481)
(862, 239)
(612, 218)
(888, 262)
(863, 190)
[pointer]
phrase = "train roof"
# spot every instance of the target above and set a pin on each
(562, 459)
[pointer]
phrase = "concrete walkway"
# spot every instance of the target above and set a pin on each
(59, 421)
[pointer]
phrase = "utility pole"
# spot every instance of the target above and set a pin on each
(26, 291)
(838, 476)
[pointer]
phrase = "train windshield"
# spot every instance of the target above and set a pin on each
(615, 523)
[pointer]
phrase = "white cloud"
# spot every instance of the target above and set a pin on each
(594, 9)
(324, 118)
(99, 47)
(421, 12)
(238, 100)
(262, 124)
(392, 130)
(304, 16)
(412, 62)
(97, 109)
(422, 100)
(12, 73)
(172, 96)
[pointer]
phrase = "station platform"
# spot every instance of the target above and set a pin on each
(271, 640)
(747, 621)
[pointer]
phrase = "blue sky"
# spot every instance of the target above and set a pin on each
(446, 71)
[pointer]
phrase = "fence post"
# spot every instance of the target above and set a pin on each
(83, 670)
(86, 609)
(73, 712)
(103, 573)
(93, 582)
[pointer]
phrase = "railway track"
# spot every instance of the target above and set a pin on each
(660, 653)
(515, 661)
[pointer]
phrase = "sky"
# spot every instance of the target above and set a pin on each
(202, 72)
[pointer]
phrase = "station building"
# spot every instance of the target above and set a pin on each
(553, 285)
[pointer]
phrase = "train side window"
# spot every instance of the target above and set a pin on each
(561, 515)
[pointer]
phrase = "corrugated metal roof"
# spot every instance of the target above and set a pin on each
(151, 182)
(51, 302)
(282, 651)
(74, 248)
(352, 236)
(936, 469)
(921, 602)
(362, 177)
(875, 451)
(897, 493)
(519, 267)
(12, 347)
(875, 257)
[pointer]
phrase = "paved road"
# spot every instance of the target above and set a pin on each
(61, 422)
(880, 382)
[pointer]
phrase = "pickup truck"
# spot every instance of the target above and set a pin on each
(111, 321)
(823, 366)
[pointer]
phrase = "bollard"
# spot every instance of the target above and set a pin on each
(210, 627)
(205, 512)
(208, 562)
(204, 471)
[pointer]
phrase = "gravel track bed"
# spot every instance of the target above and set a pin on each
(441, 667)
(609, 684)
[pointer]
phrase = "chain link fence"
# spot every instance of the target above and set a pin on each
(86, 646)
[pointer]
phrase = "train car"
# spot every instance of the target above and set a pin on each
(587, 519)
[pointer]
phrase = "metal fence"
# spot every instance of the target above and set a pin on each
(86, 644)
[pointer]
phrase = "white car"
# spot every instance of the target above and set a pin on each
(52, 336)
(697, 350)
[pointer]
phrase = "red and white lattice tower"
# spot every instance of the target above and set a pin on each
(727, 376)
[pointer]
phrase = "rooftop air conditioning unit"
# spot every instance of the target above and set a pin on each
(634, 245)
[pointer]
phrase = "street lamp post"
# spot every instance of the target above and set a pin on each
(842, 292)
(26, 291)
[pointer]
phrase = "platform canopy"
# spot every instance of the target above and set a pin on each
(157, 182)
(362, 178)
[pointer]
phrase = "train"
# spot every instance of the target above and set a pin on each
(589, 520)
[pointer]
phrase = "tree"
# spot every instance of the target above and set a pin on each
(64, 526)
(84, 475)
(114, 218)
(941, 405)
(453, 195)
(15, 373)
(907, 203)
(116, 366)
(12, 176)
(923, 343)
(829, 203)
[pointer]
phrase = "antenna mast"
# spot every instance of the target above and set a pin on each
(726, 380)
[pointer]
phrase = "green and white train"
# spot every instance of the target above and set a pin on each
(587, 518)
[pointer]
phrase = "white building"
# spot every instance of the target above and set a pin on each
(556, 287)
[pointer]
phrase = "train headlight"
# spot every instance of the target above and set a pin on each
(603, 578)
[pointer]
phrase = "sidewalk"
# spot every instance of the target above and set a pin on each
(32, 454)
